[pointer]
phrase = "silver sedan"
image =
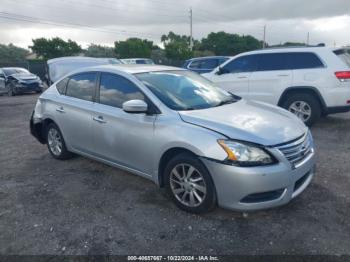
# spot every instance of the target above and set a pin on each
(206, 146)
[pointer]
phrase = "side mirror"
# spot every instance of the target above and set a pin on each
(135, 106)
(221, 71)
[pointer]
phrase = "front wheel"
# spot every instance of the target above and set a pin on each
(305, 106)
(10, 90)
(189, 184)
(56, 144)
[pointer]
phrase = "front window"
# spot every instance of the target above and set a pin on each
(241, 64)
(115, 90)
(185, 90)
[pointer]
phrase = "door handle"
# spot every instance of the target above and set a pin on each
(242, 77)
(99, 119)
(60, 109)
(283, 75)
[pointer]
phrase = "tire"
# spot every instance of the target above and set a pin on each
(199, 185)
(304, 102)
(55, 143)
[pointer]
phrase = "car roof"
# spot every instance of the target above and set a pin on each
(130, 68)
(78, 58)
(287, 49)
(207, 57)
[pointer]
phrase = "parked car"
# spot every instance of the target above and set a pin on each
(58, 67)
(16, 80)
(206, 146)
(308, 81)
(139, 61)
(206, 64)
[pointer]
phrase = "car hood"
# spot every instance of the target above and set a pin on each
(249, 121)
(25, 77)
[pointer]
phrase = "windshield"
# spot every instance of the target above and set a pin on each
(11, 71)
(185, 90)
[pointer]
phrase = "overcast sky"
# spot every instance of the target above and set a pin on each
(104, 21)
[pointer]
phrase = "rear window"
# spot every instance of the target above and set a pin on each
(344, 54)
(303, 60)
(270, 62)
(82, 86)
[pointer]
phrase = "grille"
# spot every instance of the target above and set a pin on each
(296, 151)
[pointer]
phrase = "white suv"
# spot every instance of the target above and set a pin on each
(308, 81)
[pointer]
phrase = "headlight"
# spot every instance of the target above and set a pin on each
(245, 155)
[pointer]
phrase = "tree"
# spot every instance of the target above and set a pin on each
(55, 47)
(11, 53)
(177, 46)
(222, 43)
(99, 51)
(133, 47)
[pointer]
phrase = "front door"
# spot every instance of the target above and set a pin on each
(234, 76)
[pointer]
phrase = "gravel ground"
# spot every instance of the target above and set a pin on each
(80, 206)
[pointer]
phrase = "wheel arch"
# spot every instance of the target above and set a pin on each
(166, 157)
(303, 89)
(40, 129)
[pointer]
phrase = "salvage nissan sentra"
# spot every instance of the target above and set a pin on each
(206, 146)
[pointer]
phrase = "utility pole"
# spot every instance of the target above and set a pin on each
(191, 37)
(308, 38)
(264, 38)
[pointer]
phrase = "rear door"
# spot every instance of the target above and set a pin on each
(74, 111)
(234, 76)
(122, 138)
(271, 78)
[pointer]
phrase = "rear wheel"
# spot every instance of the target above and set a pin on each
(56, 144)
(305, 106)
(189, 184)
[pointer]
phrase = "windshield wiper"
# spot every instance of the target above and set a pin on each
(226, 102)
(187, 109)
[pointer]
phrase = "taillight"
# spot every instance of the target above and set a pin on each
(343, 75)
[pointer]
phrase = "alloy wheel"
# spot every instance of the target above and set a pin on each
(188, 185)
(55, 141)
(301, 109)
